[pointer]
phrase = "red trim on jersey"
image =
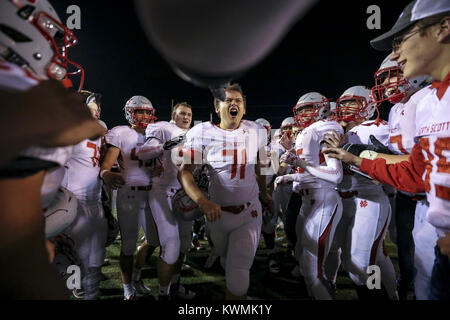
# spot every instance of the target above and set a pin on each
(441, 86)
(4, 66)
(376, 243)
(376, 122)
(322, 244)
(405, 175)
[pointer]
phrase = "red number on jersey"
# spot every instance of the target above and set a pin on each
(443, 166)
(96, 158)
(234, 154)
(398, 140)
(134, 157)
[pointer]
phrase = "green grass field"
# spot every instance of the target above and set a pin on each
(210, 284)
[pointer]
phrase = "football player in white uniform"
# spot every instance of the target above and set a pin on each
(415, 236)
(133, 184)
(37, 172)
(234, 153)
(321, 205)
(419, 44)
(164, 143)
(90, 227)
(283, 195)
(270, 217)
(366, 208)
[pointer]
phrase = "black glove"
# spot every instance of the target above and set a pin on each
(174, 142)
(356, 149)
(378, 146)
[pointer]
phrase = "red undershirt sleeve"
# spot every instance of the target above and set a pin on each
(405, 175)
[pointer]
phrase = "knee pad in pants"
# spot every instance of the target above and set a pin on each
(170, 250)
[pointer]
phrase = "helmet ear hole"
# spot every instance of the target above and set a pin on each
(26, 11)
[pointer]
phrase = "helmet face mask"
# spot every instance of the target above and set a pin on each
(310, 108)
(355, 105)
(143, 117)
(390, 85)
(44, 52)
(305, 114)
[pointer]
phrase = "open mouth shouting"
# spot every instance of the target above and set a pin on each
(234, 112)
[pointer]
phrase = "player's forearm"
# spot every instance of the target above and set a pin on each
(282, 169)
(149, 151)
(392, 158)
(261, 180)
(332, 172)
(187, 181)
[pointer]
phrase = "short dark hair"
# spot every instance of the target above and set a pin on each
(180, 104)
(232, 87)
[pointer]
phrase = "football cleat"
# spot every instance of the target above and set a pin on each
(184, 294)
(141, 287)
(131, 296)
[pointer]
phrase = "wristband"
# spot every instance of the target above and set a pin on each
(368, 154)
(102, 173)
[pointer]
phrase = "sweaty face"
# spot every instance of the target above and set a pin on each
(183, 117)
(231, 110)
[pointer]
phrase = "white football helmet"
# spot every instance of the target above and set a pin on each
(61, 213)
(182, 205)
(287, 125)
(364, 109)
(391, 85)
(289, 121)
(332, 108)
(139, 103)
(33, 37)
(320, 109)
(93, 101)
(265, 124)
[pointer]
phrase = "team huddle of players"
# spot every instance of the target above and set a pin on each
(332, 161)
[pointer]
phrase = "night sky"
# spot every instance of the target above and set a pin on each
(327, 51)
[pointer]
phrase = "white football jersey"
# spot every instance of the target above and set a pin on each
(433, 136)
(402, 123)
(308, 147)
(361, 135)
(14, 78)
(82, 170)
(135, 172)
(164, 131)
(231, 156)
